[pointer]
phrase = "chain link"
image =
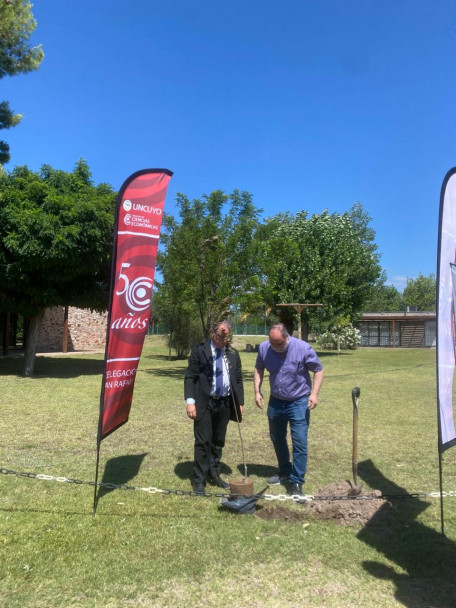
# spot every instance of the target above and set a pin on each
(268, 497)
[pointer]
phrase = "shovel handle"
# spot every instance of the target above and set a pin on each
(355, 397)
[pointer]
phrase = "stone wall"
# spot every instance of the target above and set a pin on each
(86, 330)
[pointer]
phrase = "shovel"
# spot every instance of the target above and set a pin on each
(355, 487)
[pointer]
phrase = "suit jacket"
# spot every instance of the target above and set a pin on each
(199, 374)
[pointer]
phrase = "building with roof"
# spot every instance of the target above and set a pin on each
(410, 329)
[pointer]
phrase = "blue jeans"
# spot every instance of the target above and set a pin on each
(280, 413)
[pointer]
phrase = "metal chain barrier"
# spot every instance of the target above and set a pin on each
(269, 497)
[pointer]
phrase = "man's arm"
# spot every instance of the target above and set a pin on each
(191, 377)
(258, 375)
(238, 380)
(317, 382)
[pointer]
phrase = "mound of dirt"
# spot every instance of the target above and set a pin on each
(331, 502)
(347, 511)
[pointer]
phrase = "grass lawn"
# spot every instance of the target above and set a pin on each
(145, 550)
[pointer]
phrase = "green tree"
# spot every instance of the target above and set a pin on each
(328, 259)
(16, 55)
(55, 243)
(207, 260)
(383, 298)
(421, 292)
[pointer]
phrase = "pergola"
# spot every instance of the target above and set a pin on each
(299, 308)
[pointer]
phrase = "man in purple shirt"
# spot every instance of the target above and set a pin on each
(289, 362)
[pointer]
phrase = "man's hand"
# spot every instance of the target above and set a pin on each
(191, 410)
(317, 382)
(313, 401)
(259, 400)
(257, 382)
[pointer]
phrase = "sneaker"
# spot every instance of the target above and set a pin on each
(276, 479)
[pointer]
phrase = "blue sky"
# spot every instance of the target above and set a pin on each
(307, 104)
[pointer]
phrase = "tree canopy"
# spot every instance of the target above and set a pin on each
(55, 240)
(16, 55)
(56, 237)
(218, 258)
(383, 298)
(421, 292)
(207, 262)
(327, 258)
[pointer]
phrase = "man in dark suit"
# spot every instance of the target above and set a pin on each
(214, 394)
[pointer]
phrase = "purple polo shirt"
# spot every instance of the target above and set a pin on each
(289, 375)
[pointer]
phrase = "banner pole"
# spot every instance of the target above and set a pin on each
(100, 427)
(439, 447)
(94, 508)
(439, 433)
(108, 325)
(442, 524)
(100, 416)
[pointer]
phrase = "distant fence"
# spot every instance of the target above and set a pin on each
(239, 329)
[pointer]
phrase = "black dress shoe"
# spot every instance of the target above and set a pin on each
(198, 488)
(295, 489)
(221, 483)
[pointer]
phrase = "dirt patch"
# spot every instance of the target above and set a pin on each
(270, 513)
(345, 512)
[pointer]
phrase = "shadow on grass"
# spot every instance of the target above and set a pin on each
(427, 557)
(165, 372)
(179, 372)
(119, 471)
(165, 358)
(260, 470)
(184, 469)
(53, 367)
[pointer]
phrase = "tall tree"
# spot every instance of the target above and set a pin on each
(55, 243)
(207, 259)
(16, 55)
(421, 292)
(383, 298)
(328, 259)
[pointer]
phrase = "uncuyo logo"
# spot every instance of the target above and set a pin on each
(127, 204)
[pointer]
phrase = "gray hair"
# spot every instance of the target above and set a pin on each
(216, 325)
(281, 327)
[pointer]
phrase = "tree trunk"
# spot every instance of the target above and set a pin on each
(305, 329)
(6, 332)
(286, 317)
(31, 344)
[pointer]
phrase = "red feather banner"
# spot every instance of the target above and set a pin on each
(139, 214)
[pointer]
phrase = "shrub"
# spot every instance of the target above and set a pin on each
(340, 337)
